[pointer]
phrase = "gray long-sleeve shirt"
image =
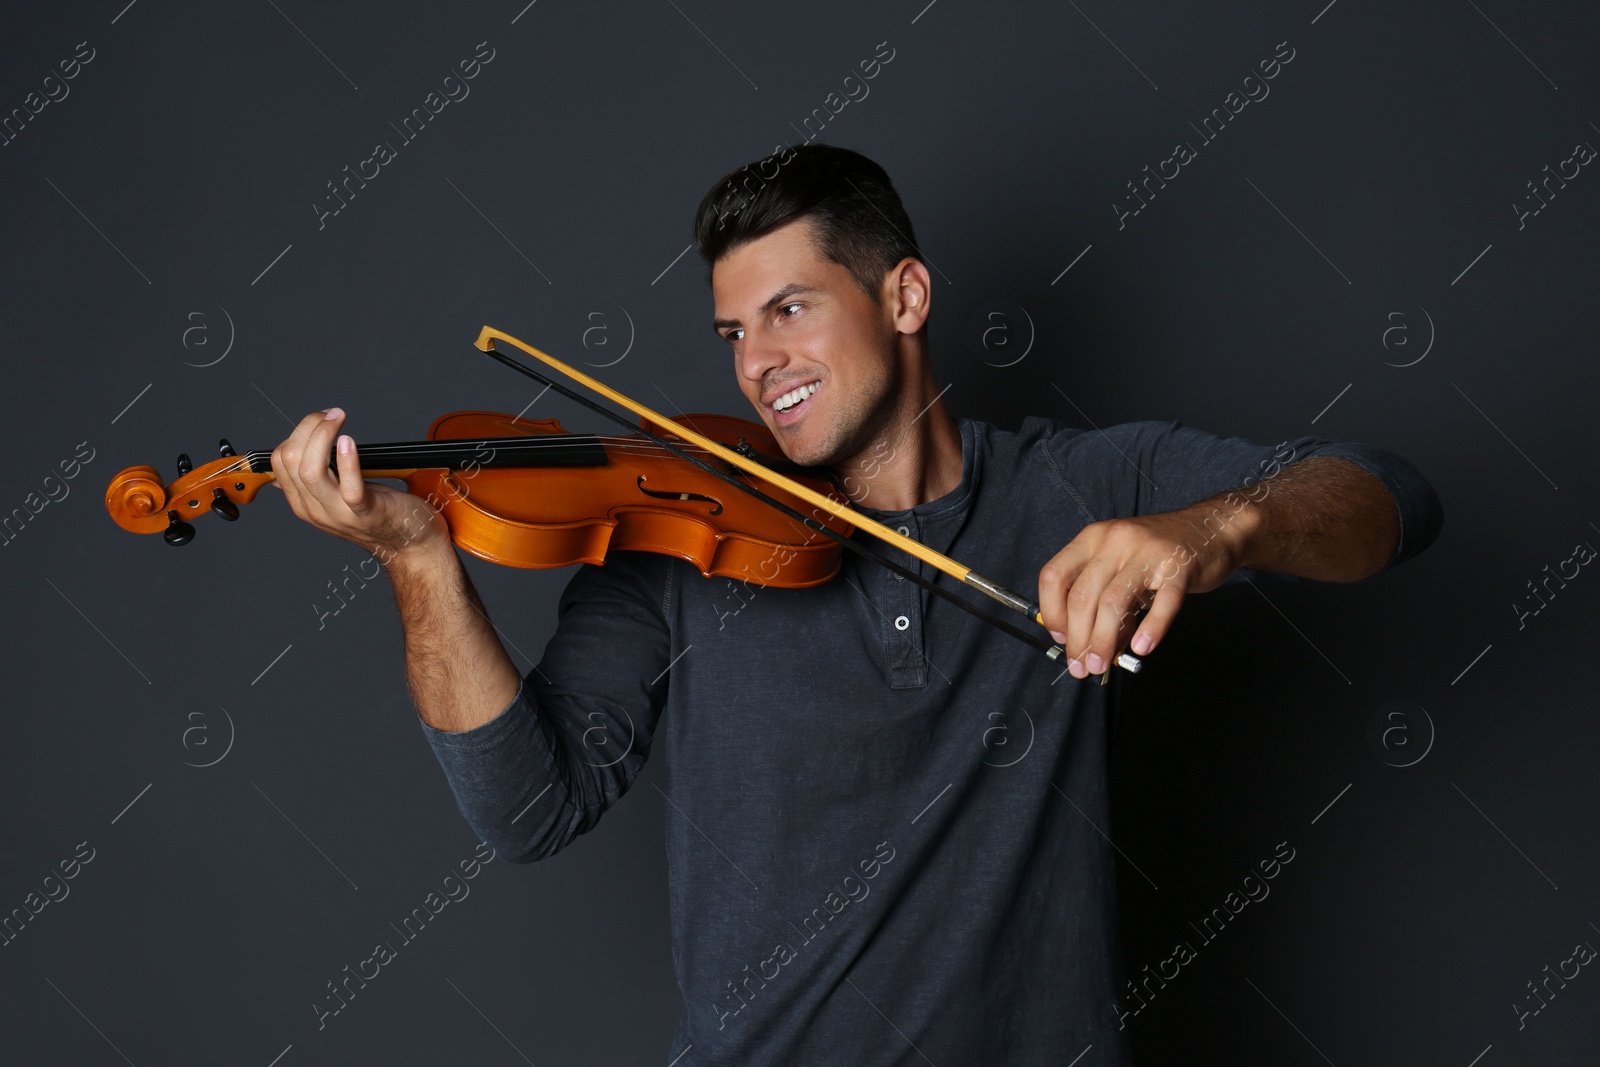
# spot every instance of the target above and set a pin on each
(882, 823)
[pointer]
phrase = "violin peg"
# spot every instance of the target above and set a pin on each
(185, 465)
(225, 449)
(223, 506)
(177, 532)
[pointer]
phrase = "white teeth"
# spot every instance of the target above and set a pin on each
(794, 396)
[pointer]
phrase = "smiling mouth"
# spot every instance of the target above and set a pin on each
(794, 398)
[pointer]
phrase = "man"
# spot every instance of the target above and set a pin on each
(858, 874)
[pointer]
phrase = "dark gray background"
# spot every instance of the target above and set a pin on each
(163, 211)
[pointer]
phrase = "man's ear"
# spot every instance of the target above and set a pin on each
(909, 295)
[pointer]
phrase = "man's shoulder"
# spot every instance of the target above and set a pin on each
(997, 439)
(1041, 436)
(1094, 471)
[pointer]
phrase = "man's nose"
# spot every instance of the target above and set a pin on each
(759, 356)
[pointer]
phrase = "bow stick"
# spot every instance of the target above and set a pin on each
(963, 574)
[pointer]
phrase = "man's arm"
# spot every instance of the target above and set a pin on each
(457, 670)
(580, 725)
(533, 762)
(1324, 518)
(1339, 517)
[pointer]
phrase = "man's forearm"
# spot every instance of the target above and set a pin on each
(1323, 518)
(457, 671)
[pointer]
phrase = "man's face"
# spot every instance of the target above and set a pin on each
(814, 355)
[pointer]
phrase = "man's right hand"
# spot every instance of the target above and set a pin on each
(382, 520)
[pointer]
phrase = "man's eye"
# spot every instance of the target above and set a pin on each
(786, 307)
(732, 335)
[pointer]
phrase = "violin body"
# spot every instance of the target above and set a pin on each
(643, 499)
(525, 493)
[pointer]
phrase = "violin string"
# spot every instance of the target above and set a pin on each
(532, 446)
(847, 542)
(251, 462)
(570, 442)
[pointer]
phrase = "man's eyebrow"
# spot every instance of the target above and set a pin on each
(792, 289)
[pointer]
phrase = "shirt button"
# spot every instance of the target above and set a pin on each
(905, 531)
(901, 622)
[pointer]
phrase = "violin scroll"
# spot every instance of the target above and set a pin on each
(140, 502)
(136, 494)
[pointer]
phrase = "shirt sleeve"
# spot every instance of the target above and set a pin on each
(1150, 467)
(579, 730)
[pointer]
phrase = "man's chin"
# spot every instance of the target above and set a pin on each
(800, 451)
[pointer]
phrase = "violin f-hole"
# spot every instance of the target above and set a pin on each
(716, 505)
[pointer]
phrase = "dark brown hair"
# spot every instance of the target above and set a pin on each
(856, 215)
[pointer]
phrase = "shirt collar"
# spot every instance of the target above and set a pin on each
(956, 500)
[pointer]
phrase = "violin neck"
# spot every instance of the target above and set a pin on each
(554, 450)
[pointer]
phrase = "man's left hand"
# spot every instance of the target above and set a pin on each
(1090, 591)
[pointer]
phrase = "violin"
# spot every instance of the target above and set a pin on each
(549, 499)
(526, 493)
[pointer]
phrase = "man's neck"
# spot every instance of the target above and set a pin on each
(916, 459)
